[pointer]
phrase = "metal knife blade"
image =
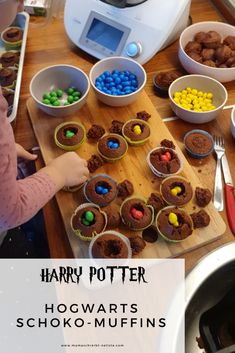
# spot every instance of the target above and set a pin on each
(229, 194)
(226, 171)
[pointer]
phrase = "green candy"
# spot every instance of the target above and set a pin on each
(53, 94)
(70, 99)
(70, 90)
(59, 93)
(69, 134)
(56, 103)
(46, 101)
(46, 96)
(75, 99)
(76, 94)
(85, 222)
(53, 99)
(66, 103)
(89, 216)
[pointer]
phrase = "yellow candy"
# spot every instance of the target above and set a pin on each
(177, 94)
(176, 224)
(184, 91)
(137, 130)
(176, 190)
(176, 99)
(200, 93)
(172, 218)
(188, 89)
(209, 95)
(194, 91)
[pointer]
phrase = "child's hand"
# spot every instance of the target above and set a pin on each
(22, 153)
(67, 170)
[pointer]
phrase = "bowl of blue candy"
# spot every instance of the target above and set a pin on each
(117, 81)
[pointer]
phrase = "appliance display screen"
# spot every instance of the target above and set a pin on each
(104, 34)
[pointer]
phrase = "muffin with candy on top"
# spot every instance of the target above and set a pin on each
(112, 147)
(136, 132)
(69, 135)
(100, 189)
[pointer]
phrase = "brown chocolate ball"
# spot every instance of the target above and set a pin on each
(212, 40)
(210, 63)
(208, 54)
(199, 37)
(193, 46)
(222, 54)
(195, 56)
(230, 41)
(137, 245)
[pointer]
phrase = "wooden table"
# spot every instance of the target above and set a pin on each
(49, 45)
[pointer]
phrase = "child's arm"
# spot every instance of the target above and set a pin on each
(20, 200)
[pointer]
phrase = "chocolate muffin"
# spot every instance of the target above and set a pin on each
(95, 132)
(125, 189)
(203, 196)
(163, 80)
(13, 34)
(94, 162)
(174, 224)
(164, 161)
(112, 147)
(143, 115)
(116, 127)
(156, 201)
(87, 221)
(136, 131)
(7, 77)
(110, 245)
(176, 191)
(8, 95)
(10, 58)
(200, 219)
(100, 189)
(136, 214)
(137, 245)
(198, 143)
(69, 136)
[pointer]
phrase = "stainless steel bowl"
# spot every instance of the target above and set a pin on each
(206, 284)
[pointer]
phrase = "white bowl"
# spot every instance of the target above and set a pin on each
(201, 83)
(59, 77)
(122, 64)
(192, 66)
(232, 125)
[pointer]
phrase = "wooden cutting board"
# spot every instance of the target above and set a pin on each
(132, 167)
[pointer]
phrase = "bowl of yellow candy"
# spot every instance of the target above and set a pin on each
(197, 99)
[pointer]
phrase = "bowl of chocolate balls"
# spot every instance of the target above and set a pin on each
(208, 48)
(117, 81)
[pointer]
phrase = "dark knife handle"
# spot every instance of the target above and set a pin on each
(230, 205)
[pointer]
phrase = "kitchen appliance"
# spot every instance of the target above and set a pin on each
(229, 193)
(210, 281)
(132, 28)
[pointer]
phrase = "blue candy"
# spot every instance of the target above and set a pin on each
(117, 83)
(99, 189)
(104, 191)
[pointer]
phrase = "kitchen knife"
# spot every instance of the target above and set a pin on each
(229, 193)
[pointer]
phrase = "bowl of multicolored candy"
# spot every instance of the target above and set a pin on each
(197, 99)
(60, 90)
(117, 81)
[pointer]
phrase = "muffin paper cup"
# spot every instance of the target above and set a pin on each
(93, 177)
(77, 231)
(149, 206)
(140, 142)
(112, 160)
(11, 45)
(198, 155)
(155, 171)
(119, 235)
(164, 236)
(69, 148)
(178, 177)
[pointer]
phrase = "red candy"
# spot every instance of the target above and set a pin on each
(136, 213)
(166, 157)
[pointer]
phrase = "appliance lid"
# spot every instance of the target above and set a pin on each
(123, 3)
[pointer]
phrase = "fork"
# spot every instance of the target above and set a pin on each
(218, 188)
